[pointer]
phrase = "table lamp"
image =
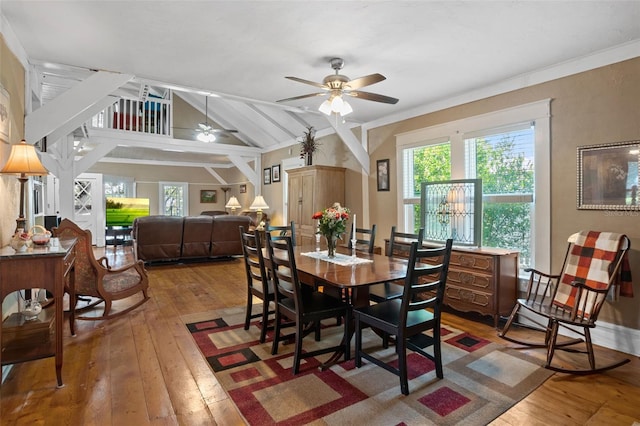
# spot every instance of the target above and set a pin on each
(233, 204)
(259, 204)
(24, 162)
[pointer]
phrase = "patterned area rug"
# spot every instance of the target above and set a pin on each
(481, 379)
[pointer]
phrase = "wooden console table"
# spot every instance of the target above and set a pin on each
(482, 280)
(40, 267)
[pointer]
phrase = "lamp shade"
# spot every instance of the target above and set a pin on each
(259, 203)
(233, 203)
(24, 161)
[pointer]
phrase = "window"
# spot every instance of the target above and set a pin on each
(509, 151)
(174, 199)
(121, 187)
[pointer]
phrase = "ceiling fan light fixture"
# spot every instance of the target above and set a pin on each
(336, 104)
(206, 137)
(325, 107)
(346, 109)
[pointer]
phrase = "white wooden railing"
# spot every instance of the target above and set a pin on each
(152, 116)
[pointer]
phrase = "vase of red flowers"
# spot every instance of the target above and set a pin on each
(331, 225)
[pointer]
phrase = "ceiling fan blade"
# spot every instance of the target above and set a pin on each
(221, 131)
(312, 83)
(372, 97)
(204, 126)
(367, 80)
(311, 95)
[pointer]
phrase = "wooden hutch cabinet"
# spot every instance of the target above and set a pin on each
(311, 189)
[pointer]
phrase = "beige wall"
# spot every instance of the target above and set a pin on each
(598, 106)
(12, 79)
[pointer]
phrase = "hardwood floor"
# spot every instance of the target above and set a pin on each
(145, 369)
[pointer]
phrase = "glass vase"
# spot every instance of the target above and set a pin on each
(332, 241)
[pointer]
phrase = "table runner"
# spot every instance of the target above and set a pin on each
(339, 259)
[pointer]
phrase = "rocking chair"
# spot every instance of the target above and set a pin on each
(96, 279)
(573, 299)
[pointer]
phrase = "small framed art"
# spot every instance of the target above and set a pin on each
(267, 176)
(208, 196)
(383, 174)
(275, 173)
(243, 188)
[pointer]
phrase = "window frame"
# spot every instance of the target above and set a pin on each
(457, 131)
(185, 195)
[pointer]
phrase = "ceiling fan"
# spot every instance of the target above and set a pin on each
(337, 85)
(206, 132)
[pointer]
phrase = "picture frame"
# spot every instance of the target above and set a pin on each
(382, 173)
(243, 188)
(275, 173)
(208, 196)
(608, 176)
(267, 176)
(5, 116)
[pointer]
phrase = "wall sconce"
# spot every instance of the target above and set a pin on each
(233, 204)
(259, 204)
(24, 162)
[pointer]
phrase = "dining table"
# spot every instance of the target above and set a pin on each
(349, 274)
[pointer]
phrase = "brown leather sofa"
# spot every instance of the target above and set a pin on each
(171, 238)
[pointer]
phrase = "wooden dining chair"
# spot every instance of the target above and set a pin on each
(417, 311)
(95, 278)
(258, 282)
(390, 290)
(282, 230)
(305, 307)
(365, 238)
(571, 300)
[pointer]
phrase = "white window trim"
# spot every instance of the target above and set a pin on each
(538, 112)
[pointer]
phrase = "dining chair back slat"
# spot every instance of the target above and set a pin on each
(258, 282)
(299, 303)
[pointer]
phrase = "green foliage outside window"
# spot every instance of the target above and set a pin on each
(504, 169)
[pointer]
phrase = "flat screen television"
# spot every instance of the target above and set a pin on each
(122, 211)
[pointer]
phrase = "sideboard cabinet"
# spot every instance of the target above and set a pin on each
(311, 189)
(482, 280)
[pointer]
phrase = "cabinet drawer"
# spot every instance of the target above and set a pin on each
(474, 261)
(470, 280)
(464, 299)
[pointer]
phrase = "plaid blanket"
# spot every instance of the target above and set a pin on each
(590, 260)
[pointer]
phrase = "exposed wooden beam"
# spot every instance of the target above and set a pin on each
(57, 114)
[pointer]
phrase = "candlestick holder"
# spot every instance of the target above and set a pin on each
(353, 247)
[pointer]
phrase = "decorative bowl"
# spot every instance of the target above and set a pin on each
(39, 235)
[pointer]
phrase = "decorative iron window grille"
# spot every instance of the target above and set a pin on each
(452, 209)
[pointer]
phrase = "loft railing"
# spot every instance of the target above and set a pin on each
(152, 116)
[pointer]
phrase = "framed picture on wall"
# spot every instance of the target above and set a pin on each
(208, 196)
(608, 176)
(275, 173)
(382, 171)
(243, 188)
(5, 116)
(267, 175)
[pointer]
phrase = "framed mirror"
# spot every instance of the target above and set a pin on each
(608, 176)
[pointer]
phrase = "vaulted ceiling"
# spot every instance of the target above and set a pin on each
(433, 53)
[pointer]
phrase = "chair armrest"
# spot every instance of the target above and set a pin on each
(580, 284)
(104, 262)
(535, 271)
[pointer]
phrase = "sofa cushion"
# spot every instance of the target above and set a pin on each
(225, 235)
(162, 237)
(196, 236)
